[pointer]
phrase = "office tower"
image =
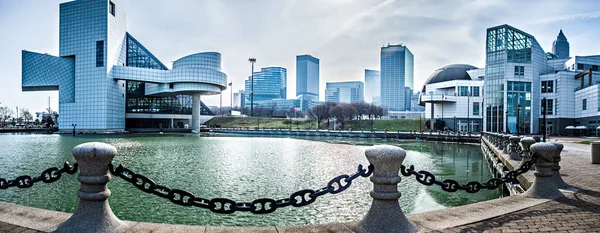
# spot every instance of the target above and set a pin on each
(560, 47)
(344, 92)
(397, 66)
(372, 85)
(307, 77)
(269, 83)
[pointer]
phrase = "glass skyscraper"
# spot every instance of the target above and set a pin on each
(397, 67)
(307, 77)
(560, 47)
(372, 86)
(269, 83)
(345, 92)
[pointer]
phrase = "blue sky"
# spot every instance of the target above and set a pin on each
(346, 35)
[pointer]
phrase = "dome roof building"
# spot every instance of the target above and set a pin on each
(449, 73)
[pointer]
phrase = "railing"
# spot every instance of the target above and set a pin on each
(94, 161)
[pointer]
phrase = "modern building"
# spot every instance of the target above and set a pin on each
(372, 86)
(345, 92)
(108, 81)
(239, 99)
(269, 83)
(307, 77)
(452, 96)
(397, 71)
(519, 75)
(560, 47)
(415, 104)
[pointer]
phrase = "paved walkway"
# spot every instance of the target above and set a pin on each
(577, 212)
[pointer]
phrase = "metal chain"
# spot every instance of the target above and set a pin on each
(227, 206)
(449, 185)
(48, 176)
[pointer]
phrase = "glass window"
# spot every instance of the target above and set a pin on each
(594, 67)
(111, 8)
(100, 53)
(476, 108)
(584, 104)
(580, 66)
(519, 70)
(550, 87)
(475, 91)
(463, 90)
(549, 106)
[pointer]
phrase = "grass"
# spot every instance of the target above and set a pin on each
(265, 122)
(585, 142)
(390, 125)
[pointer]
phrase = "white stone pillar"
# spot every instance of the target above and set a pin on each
(196, 113)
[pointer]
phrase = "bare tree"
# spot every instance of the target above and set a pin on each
(26, 115)
(319, 112)
(343, 113)
(5, 114)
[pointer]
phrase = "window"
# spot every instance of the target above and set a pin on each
(170, 85)
(475, 91)
(549, 106)
(547, 86)
(476, 108)
(519, 70)
(594, 67)
(580, 66)
(463, 90)
(584, 104)
(111, 8)
(100, 53)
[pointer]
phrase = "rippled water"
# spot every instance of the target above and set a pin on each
(240, 168)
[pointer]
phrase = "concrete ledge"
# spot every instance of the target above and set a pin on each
(526, 180)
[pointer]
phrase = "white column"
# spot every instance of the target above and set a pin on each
(196, 113)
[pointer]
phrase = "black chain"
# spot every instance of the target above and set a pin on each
(227, 206)
(48, 176)
(449, 185)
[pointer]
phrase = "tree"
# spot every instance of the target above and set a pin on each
(50, 121)
(319, 112)
(362, 108)
(26, 115)
(5, 114)
(343, 113)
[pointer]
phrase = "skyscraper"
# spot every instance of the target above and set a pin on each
(372, 85)
(397, 66)
(269, 83)
(560, 47)
(307, 77)
(344, 92)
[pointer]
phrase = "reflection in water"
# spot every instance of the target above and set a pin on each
(240, 168)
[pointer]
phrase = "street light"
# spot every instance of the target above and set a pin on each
(252, 60)
(506, 120)
(518, 119)
(544, 120)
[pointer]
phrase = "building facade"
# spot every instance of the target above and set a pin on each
(345, 92)
(239, 99)
(453, 98)
(307, 77)
(372, 86)
(397, 72)
(269, 83)
(107, 79)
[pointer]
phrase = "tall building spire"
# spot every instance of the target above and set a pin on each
(560, 47)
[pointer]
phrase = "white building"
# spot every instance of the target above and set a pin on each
(344, 92)
(452, 96)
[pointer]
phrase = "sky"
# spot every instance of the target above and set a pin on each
(346, 35)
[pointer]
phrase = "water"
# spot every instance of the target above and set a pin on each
(240, 168)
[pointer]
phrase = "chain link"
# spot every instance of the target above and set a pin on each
(227, 206)
(48, 176)
(449, 185)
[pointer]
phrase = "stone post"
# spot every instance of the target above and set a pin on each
(543, 186)
(536, 138)
(505, 143)
(525, 148)
(499, 143)
(513, 153)
(385, 214)
(558, 180)
(93, 213)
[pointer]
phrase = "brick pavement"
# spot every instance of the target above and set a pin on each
(8, 228)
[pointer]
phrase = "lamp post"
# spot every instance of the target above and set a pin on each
(544, 120)
(73, 128)
(518, 119)
(252, 61)
(506, 120)
(455, 130)
(231, 100)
